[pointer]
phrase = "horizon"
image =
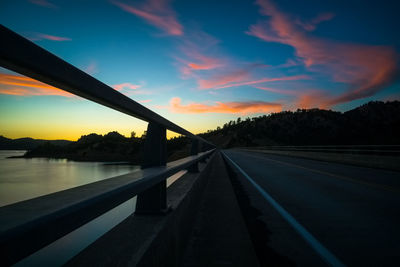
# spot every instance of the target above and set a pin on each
(196, 67)
(171, 135)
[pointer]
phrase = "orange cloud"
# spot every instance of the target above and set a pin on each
(242, 108)
(196, 48)
(310, 98)
(25, 86)
(121, 86)
(157, 13)
(221, 80)
(205, 63)
(367, 69)
(198, 62)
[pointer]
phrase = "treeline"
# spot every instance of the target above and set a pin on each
(110, 147)
(373, 123)
(27, 143)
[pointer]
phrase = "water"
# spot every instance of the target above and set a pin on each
(22, 179)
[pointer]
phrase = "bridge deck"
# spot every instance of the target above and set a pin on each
(219, 236)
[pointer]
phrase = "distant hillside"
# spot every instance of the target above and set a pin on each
(372, 123)
(111, 147)
(27, 143)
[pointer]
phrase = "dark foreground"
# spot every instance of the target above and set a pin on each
(352, 211)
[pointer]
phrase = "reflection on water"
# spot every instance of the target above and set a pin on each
(22, 179)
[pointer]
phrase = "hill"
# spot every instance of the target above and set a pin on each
(27, 143)
(112, 147)
(372, 123)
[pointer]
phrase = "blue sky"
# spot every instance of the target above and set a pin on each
(200, 63)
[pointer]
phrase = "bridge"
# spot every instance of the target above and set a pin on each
(243, 207)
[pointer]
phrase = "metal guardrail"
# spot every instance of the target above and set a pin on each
(23, 56)
(30, 225)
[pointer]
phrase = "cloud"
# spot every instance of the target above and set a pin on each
(157, 13)
(42, 36)
(366, 69)
(92, 68)
(316, 99)
(201, 60)
(300, 98)
(264, 80)
(144, 101)
(278, 91)
(198, 62)
(221, 80)
(311, 25)
(197, 54)
(122, 86)
(24, 86)
(308, 98)
(43, 3)
(243, 108)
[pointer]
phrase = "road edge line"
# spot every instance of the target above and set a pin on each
(321, 250)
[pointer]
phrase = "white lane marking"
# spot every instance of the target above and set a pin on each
(325, 254)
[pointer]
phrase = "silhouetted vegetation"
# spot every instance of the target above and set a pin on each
(373, 123)
(112, 147)
(27, 143)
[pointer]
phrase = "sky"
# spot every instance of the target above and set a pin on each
(200, 63)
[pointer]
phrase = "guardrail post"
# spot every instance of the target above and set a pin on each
(194, 151)
(154, 199)
(203, 149)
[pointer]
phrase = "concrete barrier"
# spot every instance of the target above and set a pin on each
(151, 240)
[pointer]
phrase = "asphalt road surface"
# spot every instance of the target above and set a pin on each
(353, 212)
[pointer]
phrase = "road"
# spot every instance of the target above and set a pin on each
(353, 212)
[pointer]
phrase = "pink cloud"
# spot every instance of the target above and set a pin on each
(367, 69)
(122, 86)
(278, 91)
(24, 86)
(199, 62)
(197, 54)
(145, 101)
(92, 68)
(313, 99)
(243, 108)
(221, 80)
(311, 25)
(42, 36)
(310, 98)
(264, 80)
(43, 3)
(157, 13)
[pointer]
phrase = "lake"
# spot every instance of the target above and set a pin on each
(22, 179)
